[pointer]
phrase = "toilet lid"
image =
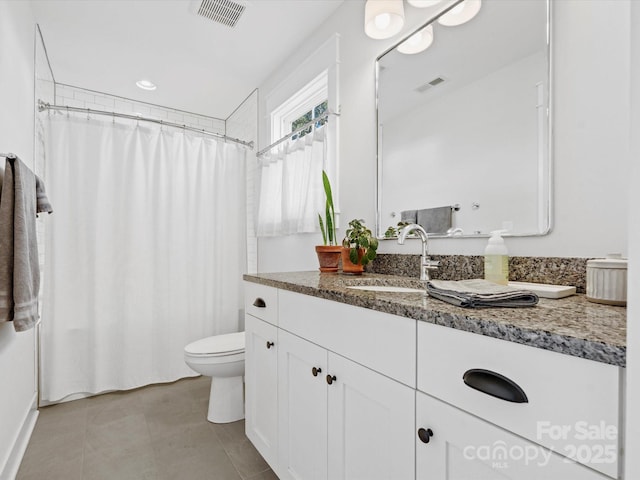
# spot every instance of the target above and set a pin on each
(217, 345)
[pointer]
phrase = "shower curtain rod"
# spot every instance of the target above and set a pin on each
(298, 130)
(47, 106)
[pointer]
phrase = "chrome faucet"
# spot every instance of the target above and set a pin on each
(426, 263)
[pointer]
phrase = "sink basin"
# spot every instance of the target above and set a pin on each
(387, 288)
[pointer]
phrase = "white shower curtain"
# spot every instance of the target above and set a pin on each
(144, 254)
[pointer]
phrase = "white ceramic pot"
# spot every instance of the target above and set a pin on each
(607, 280)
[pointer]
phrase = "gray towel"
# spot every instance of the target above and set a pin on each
(42, 202)
(19, 270)
(435, 220)
(409, 216)
(480, 294)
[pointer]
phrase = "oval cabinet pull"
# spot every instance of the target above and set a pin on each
(270, 344)
(425, 435)
(494, 384)
(259, 302)
(331, 379)
(315, 371)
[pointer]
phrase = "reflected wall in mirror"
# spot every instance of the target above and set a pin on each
(466, 123)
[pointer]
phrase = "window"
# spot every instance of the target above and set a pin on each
(306, 104)
(290, 187)
(312, 114)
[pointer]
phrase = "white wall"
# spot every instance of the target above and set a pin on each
(74, 96)
(633, 311)
(243, 124)
(591, 75)
(17, 350)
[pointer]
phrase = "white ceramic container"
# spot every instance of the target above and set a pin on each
(607, 280)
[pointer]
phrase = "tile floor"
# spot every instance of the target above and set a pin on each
(152, 433)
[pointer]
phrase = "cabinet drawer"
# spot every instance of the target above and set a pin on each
(383, 342)
(463, 447)
(261, 302)
(572, 404)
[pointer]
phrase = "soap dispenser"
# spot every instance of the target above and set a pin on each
(496, 259)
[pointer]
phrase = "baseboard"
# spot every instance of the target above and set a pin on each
(20, 446)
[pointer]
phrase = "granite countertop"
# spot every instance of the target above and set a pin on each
(572, 325)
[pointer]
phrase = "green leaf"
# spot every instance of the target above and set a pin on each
(330, 230)
(329, 209)
(353, 255)
(327, 189)
(324, 234)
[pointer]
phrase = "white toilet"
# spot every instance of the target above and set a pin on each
(221, 357)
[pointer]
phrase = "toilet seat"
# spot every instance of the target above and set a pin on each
(217, 345)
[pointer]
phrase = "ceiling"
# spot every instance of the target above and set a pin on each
(198, 65)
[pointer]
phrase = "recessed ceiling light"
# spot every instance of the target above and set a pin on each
(146, 85)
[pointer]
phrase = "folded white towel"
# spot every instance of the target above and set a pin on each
(480, 293)
(19, 269)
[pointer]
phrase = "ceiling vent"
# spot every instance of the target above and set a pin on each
(225, 12)
(428, 85)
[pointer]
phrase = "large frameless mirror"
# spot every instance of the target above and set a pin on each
(464, 126)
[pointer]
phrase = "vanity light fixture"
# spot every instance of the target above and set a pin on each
(461, 13)
(146, 85)
(423, 3)
(383, 18)
(417, 42)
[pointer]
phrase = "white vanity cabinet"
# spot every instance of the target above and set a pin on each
(302, 409)
(344, 412)
(345, 389)
(338, 419)
(261, 370)
(340, 392)
(506, 396)
(461, 446)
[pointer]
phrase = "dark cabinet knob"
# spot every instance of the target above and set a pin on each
(315, 371)
(425, 435)
(270, 344)
(331, 379)
(259, 302)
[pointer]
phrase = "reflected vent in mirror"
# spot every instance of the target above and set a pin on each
(225, 12)
(436, 81)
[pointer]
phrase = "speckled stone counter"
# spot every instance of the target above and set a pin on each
(572, 325)
(555, 270)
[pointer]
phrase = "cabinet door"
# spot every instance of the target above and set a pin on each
(261, 376)
(302, 409)
(463, 447)
(371, 423)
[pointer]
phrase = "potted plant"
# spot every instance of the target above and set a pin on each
(359, 247)
(329, 252)
(392, 231)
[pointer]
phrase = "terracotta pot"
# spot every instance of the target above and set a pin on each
(348, 266)
(328, 257)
